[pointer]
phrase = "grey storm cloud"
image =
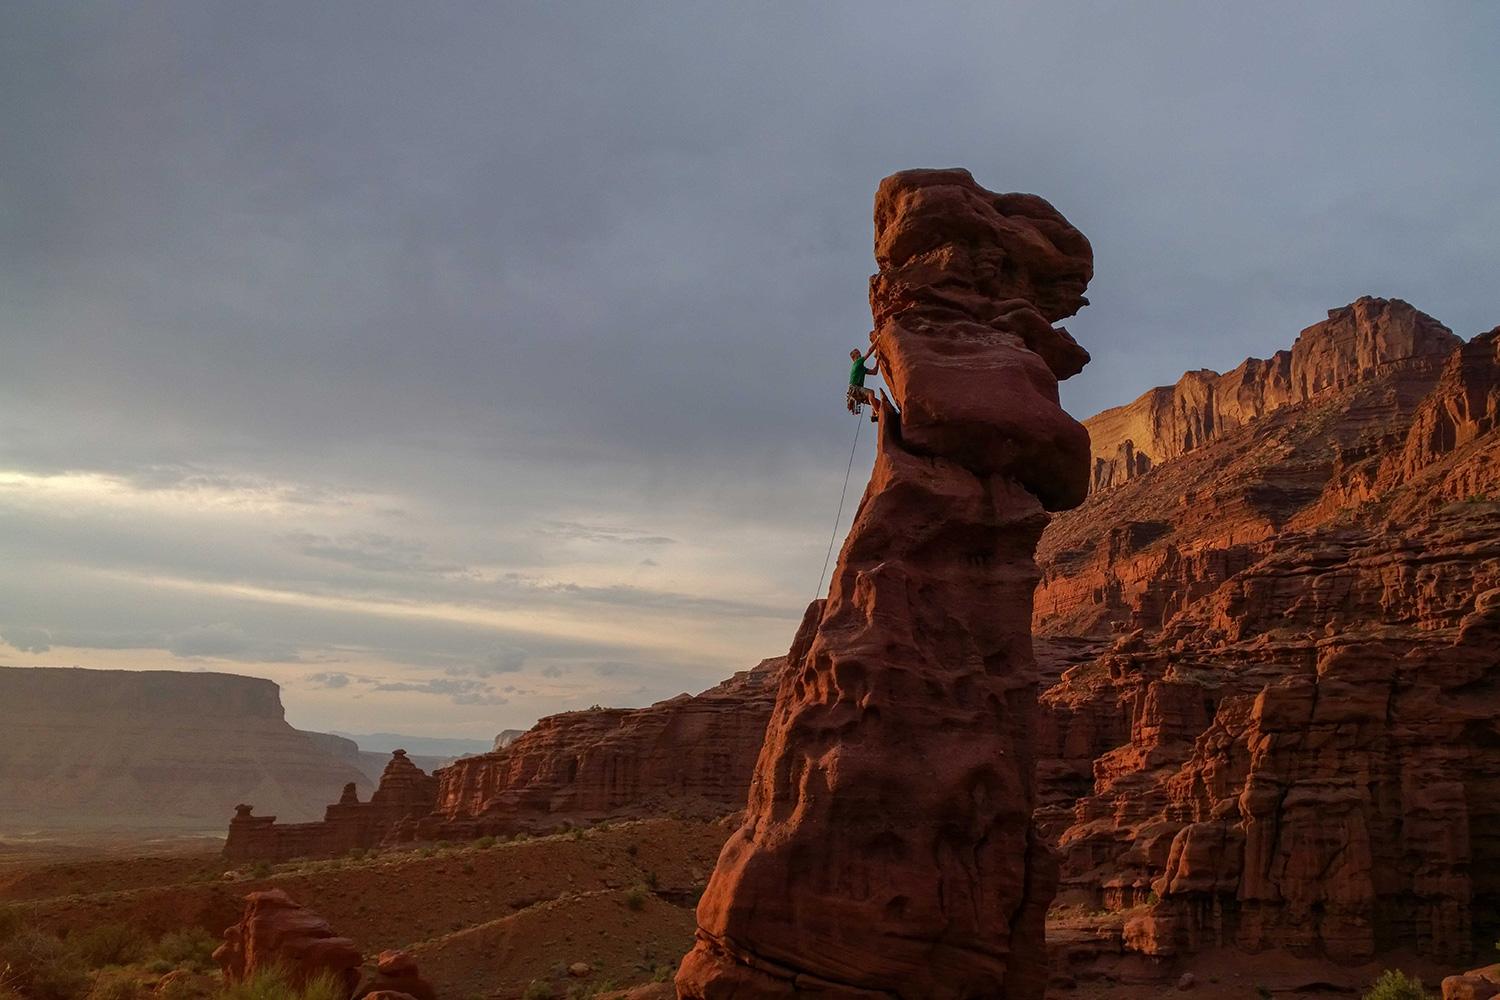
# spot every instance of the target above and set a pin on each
(27, 640)
(329, 680)
(461, 692)
(392, 336)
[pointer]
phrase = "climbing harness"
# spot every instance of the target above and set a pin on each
(840, 515)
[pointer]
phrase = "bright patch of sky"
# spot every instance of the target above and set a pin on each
(454, 364)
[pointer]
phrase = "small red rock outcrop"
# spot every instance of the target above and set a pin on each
(396, 974)
(1477, 984)
(888, 848)
(406, 795)
(276, 932)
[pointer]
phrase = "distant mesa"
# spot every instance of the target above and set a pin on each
(506, 737)
(154, 750)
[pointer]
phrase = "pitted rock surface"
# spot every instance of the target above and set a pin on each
(888, 849)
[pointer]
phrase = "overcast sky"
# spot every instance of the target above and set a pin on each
(456, 364)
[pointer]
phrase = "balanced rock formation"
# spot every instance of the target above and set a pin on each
(888, 849)
(691, 754)
(152, 750)
(276, 932)
(1288, 732)
(405, 796)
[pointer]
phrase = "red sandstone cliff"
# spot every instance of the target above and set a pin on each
(1290, 736)
(152, 750)
(1351, 345)
(404, 797)
(887, 848)
(691, 753)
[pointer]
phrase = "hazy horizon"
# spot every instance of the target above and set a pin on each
(457, 365)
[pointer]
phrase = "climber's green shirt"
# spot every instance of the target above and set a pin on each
(857, 372)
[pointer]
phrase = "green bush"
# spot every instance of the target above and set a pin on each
(663, 974)
(538, 990)
(109, 944)
(192, 946)
(635, 897)
(40, 967)
(260, 869)
(273, 984)
(485, 843)
(115, 984)
(1394, 984)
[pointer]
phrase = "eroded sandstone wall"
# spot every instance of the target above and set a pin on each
(1290, 734)
(888, 848)
(1354, 343)
(689, 754)
(405, 796)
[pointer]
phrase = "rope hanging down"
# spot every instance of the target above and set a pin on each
(840, 515)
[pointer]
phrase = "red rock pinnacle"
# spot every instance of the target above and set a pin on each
(887, 849)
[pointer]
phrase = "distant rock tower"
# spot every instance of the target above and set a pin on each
(887, 849)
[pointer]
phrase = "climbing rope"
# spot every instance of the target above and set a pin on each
(840, 515)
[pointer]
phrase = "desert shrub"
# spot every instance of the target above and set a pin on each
(663, 974)
(652, 880)
(521, 837)
(260, 869)
(40, 967)
(635, 897)
(427, 852)
(109, 944)
(273, 984)
(192, 946)
(1394, 984)
(443, 845)
(485, 843)
(356, 853)
(538, 989)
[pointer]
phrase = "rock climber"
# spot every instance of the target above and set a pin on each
(857, 393)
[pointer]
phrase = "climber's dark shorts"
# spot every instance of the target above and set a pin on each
(856, 395)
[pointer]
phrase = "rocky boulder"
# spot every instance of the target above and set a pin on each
(276, 932)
